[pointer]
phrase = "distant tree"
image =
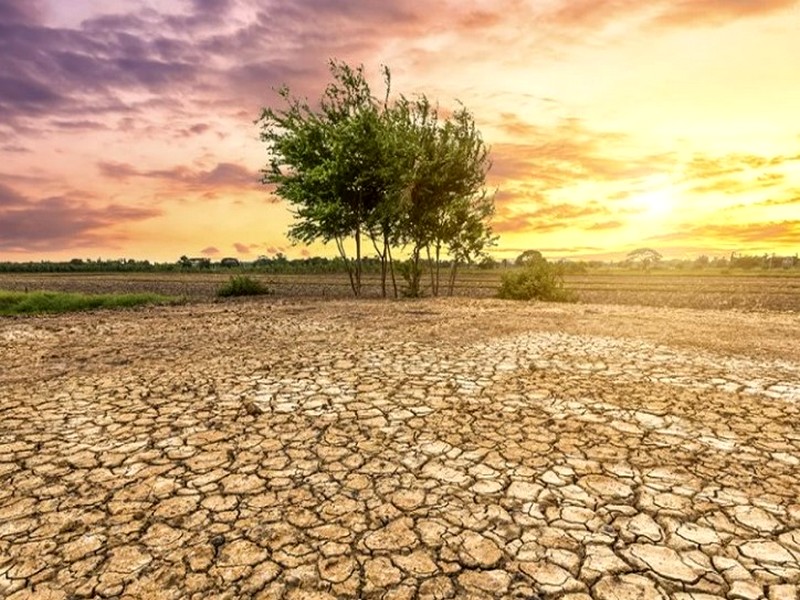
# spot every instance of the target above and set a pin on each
(646, 257)
(528, 257)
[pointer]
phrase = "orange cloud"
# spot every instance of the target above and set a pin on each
(695, 12)
(774, 233)
(552, 217)
(670, 13)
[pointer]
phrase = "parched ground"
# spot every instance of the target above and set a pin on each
(431, 449)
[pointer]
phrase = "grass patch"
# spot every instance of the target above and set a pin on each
(25, 303)
(242, 285)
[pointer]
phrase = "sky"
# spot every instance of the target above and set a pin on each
(127, 128)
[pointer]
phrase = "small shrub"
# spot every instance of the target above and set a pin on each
(411, 272)
(242, 285)
(539, 280)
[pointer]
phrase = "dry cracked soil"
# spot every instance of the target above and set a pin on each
(397, 450)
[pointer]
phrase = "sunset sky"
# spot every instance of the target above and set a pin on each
(126, 127)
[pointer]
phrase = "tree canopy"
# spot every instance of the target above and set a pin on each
(396, 174)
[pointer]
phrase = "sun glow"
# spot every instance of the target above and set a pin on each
(655, 203)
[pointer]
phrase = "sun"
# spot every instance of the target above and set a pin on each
(655, 200)
(655, 203)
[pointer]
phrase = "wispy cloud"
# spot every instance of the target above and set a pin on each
(223, 175)
(783, 232)
(60, 222)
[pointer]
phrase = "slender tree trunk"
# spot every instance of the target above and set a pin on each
(453, 270)
(382, 255)
(434, 291)
(391, 262)
(358, 260)
(348, 266)
(438, 266)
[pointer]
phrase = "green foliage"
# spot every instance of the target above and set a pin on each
(411, 272)
(397, 174)
(242, 285)
(538, 280)
(528, 257)
(15, 303)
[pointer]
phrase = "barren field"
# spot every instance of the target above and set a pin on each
(775, 291)
(462, 448)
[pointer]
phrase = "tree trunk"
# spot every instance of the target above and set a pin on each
(358, 261)
(453, 276)
(348, 266)
(384, 267)
(434, 291)
(391, 263)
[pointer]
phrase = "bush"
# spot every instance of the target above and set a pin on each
(539, 280)
(242, 285)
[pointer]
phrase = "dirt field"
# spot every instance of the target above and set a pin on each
(463, 448)
(774, 291)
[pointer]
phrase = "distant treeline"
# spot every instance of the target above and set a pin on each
(372, 265)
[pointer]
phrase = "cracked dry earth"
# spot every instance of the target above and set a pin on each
(434, 449)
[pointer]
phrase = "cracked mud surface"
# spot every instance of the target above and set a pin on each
(435, 449)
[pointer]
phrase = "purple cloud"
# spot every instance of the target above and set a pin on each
(60, 222)
(224, 175)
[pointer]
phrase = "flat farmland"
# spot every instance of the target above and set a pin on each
(288, 448)
(774, 291)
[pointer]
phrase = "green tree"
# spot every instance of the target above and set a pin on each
(359, 167)
(327, 163)
(646, 257)
(528, 257)
(443, 206)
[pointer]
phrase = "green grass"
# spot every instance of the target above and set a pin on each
(21, 303)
